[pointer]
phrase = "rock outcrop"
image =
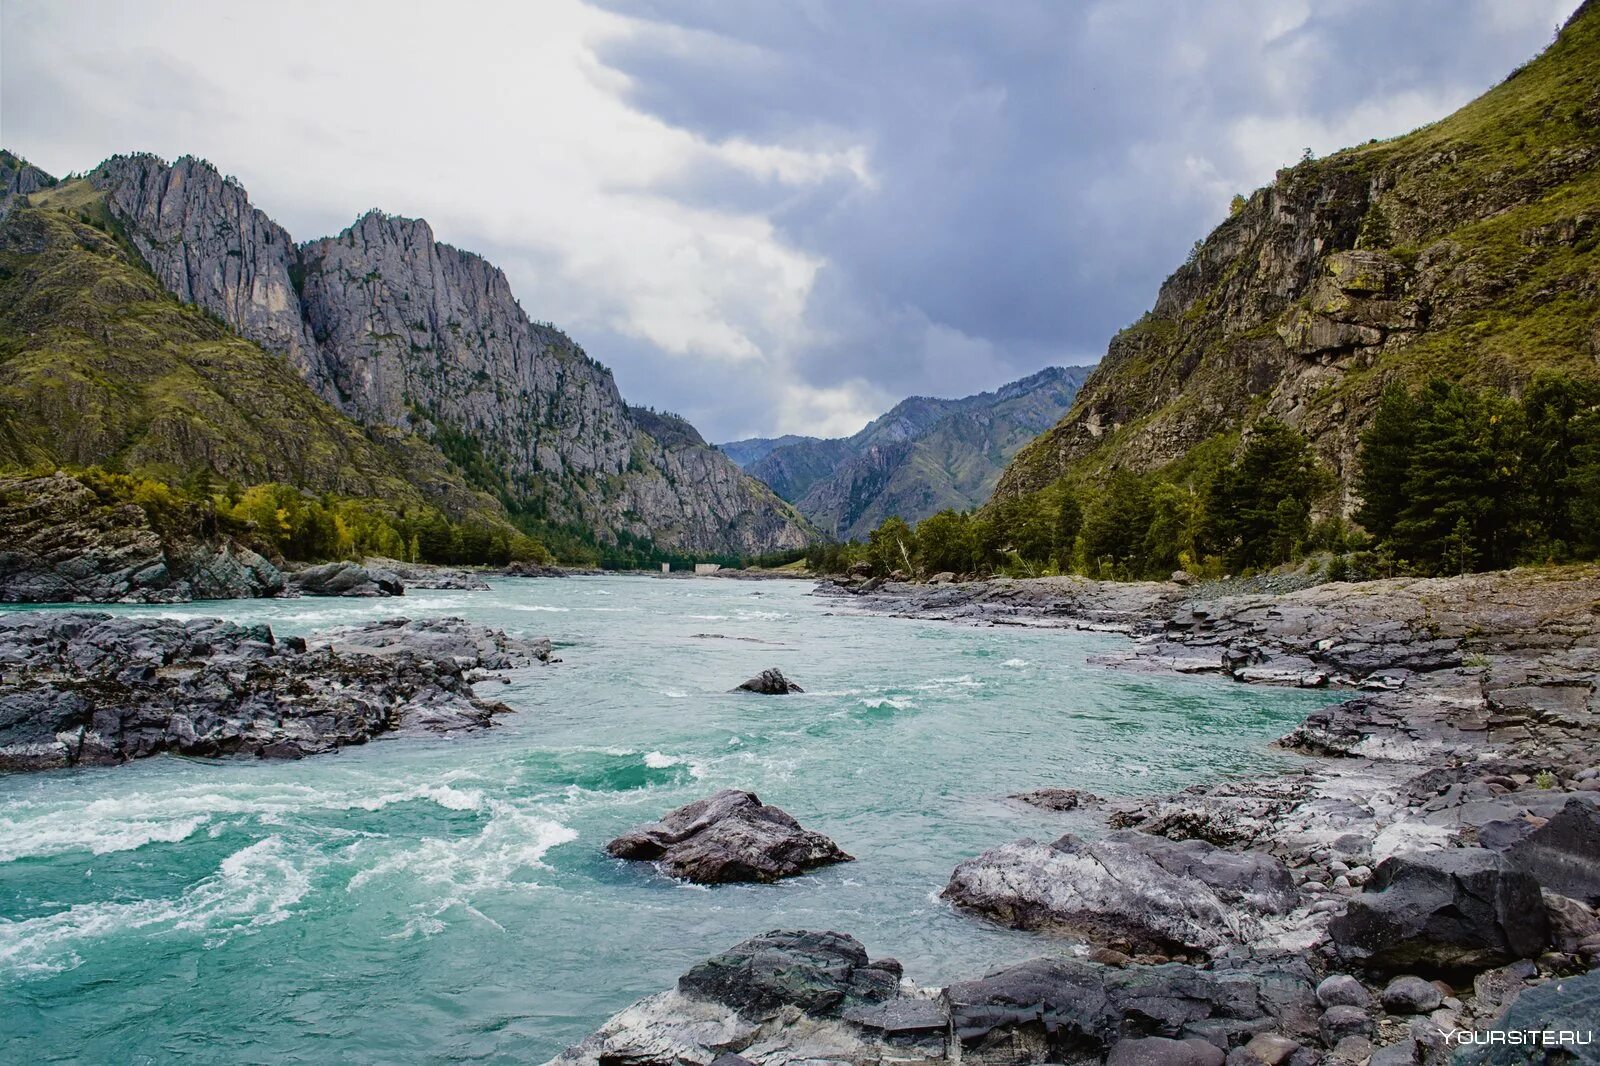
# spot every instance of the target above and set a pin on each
(64, 544)
(407, 334)
(451, 643)
(730, 836)
(1378, 262)
(1129, 890)
(90, 688)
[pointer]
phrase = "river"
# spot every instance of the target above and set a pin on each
(449, 899)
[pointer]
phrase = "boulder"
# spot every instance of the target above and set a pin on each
(1563, 855)
(730, 836)
(1453, 910)
(1342, 990)
(1068, 1010)
(943, 577)
(1155, 894)
(1410, 994)
(815, 972)
(346, 579)
(770, 683)
(1338, 1024)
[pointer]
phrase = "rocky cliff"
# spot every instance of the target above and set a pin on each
(1465, 249)
(923, 456)
(401, 331)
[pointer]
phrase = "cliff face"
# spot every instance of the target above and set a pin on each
(1463, 249)
(923, 456)
(403, 332)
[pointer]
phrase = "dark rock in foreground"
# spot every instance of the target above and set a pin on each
(802, 996)
(1443, 911)
(1146, 893)
(346, 579)
(770, 683)
(730, 836)
(82, 687)
(1563, 855)
(63, 544)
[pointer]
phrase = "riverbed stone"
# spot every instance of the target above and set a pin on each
(1160, 1051)
(1410, 994)
(346, 579)
(1342, 990)
(729, 836)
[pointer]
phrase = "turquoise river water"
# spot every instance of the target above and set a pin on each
(449, 900)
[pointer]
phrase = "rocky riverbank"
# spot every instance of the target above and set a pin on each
(1432, 868)
(79, 687)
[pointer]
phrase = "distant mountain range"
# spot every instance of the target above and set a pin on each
(152, 319)
(923, 456)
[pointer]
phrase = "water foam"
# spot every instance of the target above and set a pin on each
(511, 841)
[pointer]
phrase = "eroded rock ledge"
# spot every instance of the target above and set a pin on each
(80, 687)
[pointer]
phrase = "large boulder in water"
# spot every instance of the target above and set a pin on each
(1443, 911)
(1151, 893)
(730, 836)
(346, 579)
(770, 683)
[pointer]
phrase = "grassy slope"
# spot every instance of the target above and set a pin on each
(1495, 208)
(102, 366)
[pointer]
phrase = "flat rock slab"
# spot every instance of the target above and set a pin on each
(730, 836)
(1148, 892)
(454, 641)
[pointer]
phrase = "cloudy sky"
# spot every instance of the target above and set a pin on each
(769, 216)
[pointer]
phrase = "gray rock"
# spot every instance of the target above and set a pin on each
(450, 642)
(1159, 1051)
(1459, 909)
(1409, 994)
(1402, 1054)
(1057, 799)
(63, 544)
(1270, 1049)
(80, 687)
(1150, 892)
(1340, 1023)
(1563, 855)
(729, 836)
(346, 579)
(1342, 990)
(770, 682)
(818, 973)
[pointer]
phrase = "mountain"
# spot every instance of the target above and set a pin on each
(103, 366)
(1465, 249)
(923, 456)
(409, 338)
(745, 452)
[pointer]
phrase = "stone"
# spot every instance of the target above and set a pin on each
(460, 644)
(729, 836)
(1410, 994)
(81, 687)
(818, 973)
(1271, 1049)
(1057, 799)
(346, 579)
(1340, 1023)
(1155, 894)
(1572, 924)
(1457, 909)
(1563, 855)
(943, 577)
(1342, 990)
(770, 682)
(1160, 1051)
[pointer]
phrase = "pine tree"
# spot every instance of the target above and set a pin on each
(1385, 460)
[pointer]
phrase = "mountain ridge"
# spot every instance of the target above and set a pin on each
(923, 455)
(398, 330)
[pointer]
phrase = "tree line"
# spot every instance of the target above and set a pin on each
(1451, 479)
